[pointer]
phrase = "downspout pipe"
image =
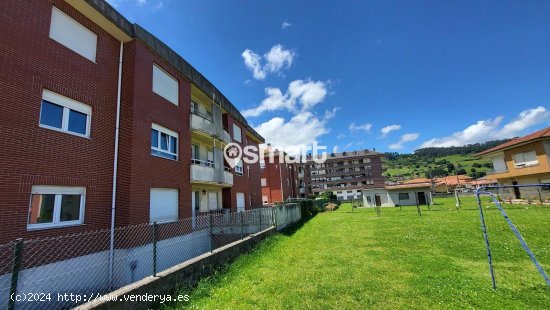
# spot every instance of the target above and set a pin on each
(115, 168)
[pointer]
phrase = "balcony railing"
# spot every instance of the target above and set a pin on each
(206, 116)
(205, 171)
(205, 123)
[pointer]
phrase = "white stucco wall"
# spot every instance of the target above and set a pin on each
(391, 198)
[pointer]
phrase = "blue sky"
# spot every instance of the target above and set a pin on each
(390, 75)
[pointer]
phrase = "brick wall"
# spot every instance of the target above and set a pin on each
(275, 172)
(139, 170)
(31, 155)
(249, 182)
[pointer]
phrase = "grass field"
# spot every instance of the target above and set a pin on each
(357, 260)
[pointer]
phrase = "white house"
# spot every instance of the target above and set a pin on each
(398, 195)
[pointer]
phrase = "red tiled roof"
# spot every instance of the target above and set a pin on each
(409, 185)
(452, 180)
(417, 180)
(543, 133)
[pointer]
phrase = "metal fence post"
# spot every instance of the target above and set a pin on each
(211, 229)
(242, 225)
(16, 264)
(261, 213)
(154, 249)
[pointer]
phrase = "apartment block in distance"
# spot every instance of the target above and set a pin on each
(346, 174)
(98, 115)
(279, 179)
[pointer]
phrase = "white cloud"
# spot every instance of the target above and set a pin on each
(335, 149)
(252, 62)
(301, 95)
(347, 146)
(340, 136)
(300, 131)
(386, 130)
(489, 129)
(365, 127)
(408, 137)
(307, 92)
(285, 25)
(331, 113)
(275, 60)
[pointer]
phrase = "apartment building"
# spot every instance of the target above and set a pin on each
(279, 179)
(347, 174)
(524, 160)
(101, 118)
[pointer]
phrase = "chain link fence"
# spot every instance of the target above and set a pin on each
(64, 271)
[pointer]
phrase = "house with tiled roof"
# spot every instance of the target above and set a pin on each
(524, 160)
(450, 183)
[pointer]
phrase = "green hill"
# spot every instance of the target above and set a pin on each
(438, 162)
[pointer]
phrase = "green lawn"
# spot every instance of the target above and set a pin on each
(356, 259)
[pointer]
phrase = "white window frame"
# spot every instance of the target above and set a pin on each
(73, 41)
(157, 89)
(239, 167)
(168, 132)
(263, 182)
(525, 164)
(68, 104)
(58, 191)
(238, 129)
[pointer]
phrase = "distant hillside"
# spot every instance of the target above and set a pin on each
(438, 162)
(458, 150)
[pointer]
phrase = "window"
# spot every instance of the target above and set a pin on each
(237, 133)
(73, 35)
(165, 85)
(195, 152)
(210, 157)
(263, 182)
(369, 199)
(163, 205)
(525, 159)
(403, 196)
(194, 107)
(54, 206)
(239, 167)
(64, 114)
(264, 199)
(499, 165)
(164, 142)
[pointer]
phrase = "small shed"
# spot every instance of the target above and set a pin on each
(410, 194)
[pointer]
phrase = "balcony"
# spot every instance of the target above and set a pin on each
(226, 137)
(206, 124)
(205, 172)
(227, 176)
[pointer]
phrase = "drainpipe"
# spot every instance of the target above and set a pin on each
(115, 167)
(281, 177)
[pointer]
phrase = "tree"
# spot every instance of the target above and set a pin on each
(461, 171)
(450, 167)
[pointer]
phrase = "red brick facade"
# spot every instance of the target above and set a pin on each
(249, 182)
(139, 170)
(31, 155)
(279, 175)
